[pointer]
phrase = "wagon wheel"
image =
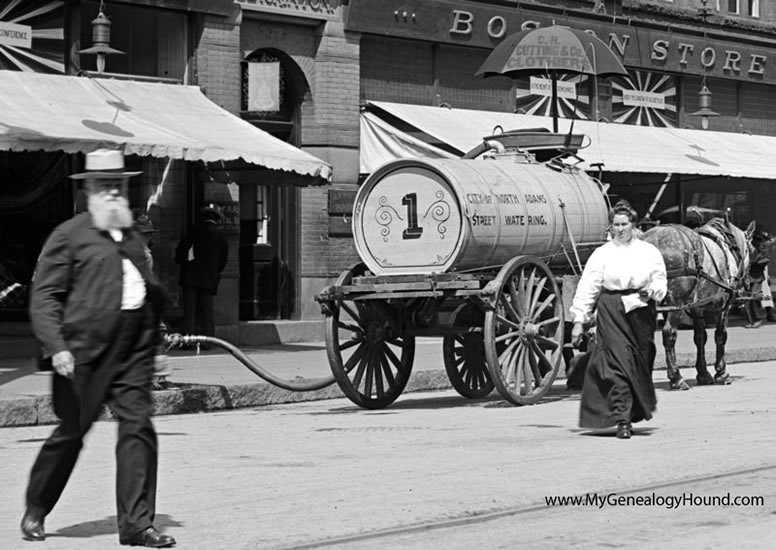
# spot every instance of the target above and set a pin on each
(369, 357)
(524, 332)
(464, 355)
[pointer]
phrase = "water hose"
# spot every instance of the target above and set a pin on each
(178, 340)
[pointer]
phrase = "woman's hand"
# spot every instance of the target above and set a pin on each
(577, 332)
(644, 294)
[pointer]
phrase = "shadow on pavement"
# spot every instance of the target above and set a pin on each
(106, 526)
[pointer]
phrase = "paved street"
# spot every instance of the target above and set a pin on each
(431, 471)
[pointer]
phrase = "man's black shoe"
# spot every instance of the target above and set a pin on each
(150, 538)
(32, 527)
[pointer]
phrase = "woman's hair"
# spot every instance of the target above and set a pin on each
(623, 207)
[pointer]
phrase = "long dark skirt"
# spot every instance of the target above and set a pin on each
(618, 383)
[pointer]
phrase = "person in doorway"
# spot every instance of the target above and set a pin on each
(758, 277)
(202, 255)
(622, 282)
(145, 227)
(95, 307)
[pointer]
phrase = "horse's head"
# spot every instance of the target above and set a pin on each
(744, 242)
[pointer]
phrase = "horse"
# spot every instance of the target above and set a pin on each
(706, 269)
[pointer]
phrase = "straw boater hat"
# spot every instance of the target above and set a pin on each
(104, 163)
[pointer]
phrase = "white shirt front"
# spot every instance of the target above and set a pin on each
(636, 265)
(133, 289)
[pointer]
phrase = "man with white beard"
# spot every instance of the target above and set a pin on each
(95, 307)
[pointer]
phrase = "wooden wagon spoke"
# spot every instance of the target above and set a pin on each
(534, 364)
(544, 363)
(467, 375)
(528, 378)
(350, 327)
(482, 378)
(550, 300)
(378, 374)
(355, 316)
(362, 364)
(515, 373)
(347, 344)
(509, 308)
(356, 357)
(508, 350)
(546, 343)
(514, 299)
(508, 335)
(531, 289)
(395, 360)
(388, 372)
(549, 321)
(536, 295)
(370, 368)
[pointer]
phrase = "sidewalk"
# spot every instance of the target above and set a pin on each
(215, 380)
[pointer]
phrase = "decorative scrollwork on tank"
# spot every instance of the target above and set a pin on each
(440, 213)
(384, 215)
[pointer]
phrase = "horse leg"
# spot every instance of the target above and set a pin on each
(675, 380)
(699, 337)
(720, 339)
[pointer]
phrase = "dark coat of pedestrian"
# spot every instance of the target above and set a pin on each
(95, 307)
(622, 282)
(202, 255)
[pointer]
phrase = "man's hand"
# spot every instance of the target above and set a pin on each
(577, 332)
(64, 364)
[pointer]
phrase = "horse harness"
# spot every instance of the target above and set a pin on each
(723, 238)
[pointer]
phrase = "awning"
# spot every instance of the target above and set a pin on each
(617, 147)
(381, 142)
(78, 115)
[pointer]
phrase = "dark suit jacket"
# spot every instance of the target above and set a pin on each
(75, 303)
(210, 254)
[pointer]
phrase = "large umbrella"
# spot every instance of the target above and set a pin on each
(549, 51)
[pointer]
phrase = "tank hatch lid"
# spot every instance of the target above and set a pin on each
(537, 139)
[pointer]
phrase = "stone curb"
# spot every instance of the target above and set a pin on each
(195, 398)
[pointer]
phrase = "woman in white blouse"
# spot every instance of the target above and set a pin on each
(622, 282)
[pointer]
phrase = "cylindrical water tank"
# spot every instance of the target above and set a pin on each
(415, 216)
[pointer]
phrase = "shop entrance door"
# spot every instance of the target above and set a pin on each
(267, 252)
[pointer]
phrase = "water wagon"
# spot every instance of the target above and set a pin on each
(475, 251)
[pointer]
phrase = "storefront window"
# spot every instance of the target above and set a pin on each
(154, 41)
(35, 196)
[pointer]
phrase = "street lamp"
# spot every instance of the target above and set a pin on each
(100, 39)
(704, 95)
(704, 102)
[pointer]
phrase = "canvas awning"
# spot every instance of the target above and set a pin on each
(79, 114)
(617, 147)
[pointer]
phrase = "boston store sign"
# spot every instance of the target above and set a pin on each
(645, 47)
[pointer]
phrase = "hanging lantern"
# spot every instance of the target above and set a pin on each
(704, 102)
(100, 40)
